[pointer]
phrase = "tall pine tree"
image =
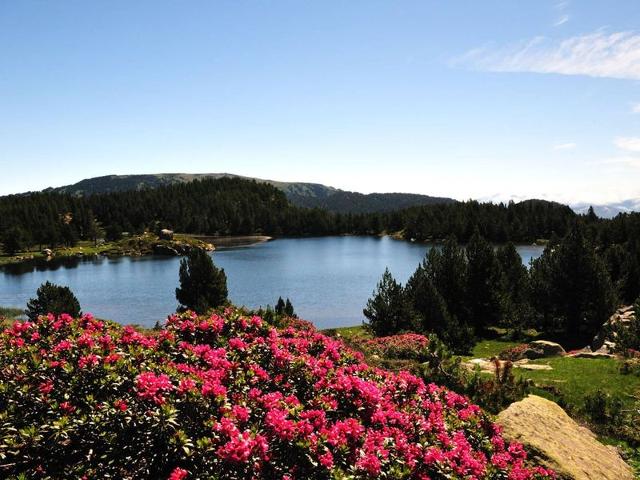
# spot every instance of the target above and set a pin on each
(482, 294)
(571, 291)
(203, 286)
(387, 310)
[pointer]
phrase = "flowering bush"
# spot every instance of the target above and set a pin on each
(409, 346)
(228, 397)
(516, 353)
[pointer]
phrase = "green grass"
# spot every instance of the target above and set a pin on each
(491, 348)
(572, 379)
(349, 334)
(8, 315)
(139, 244)
(10, 312)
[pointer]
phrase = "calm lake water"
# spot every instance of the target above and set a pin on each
(328, 279)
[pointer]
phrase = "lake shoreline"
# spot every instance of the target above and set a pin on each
(328, 279)
(147, 246)
(209, 242)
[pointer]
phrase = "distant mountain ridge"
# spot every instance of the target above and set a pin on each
(609, 210)
(310, 195)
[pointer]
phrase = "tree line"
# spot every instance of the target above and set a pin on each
(234, 206)
(457, 293)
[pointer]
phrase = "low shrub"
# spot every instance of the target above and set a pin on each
(514, 354)
(407, 346)
(226, 396)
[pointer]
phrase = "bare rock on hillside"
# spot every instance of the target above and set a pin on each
(489, 366)
(549, 349)
(606, 338)
(558, 442)
(586, 353)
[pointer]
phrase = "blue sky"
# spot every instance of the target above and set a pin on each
(490, 99)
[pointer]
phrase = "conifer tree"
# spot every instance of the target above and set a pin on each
(571, 290)
(387, 310)
(288, 309)
(430, 313)
(13, 240)
(482, 295)
(513, 289)
(52, 298)
(448, 270)
(203, 286)
(280, 306)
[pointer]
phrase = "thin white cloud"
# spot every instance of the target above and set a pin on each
(629, 144)
(563, 17)
(635, 108)
(629, 155)
(565, 146)
(626, 160)
(615, 55)
(561, 20)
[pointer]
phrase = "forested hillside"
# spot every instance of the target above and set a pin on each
(301, 194)
(233, 206)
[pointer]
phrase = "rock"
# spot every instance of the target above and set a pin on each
(47, 252)
(622, 316)
(540, 349)
(559, 443)
(549, 349)
(484, 364)
(166, 234)
(588, 354)
(489, 366)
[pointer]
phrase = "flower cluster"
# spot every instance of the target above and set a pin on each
(227, 396)
(407, 346)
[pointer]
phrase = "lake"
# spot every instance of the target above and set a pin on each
(328, 279)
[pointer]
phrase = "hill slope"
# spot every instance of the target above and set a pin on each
(310, 195)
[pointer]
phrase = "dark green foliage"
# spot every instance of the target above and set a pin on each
(387, 310)
(46, 218)
(513, 288)
(448, 270)
(602, 408)
(235, 206)
(51, 298)
(14, 239)
(571, 290)
(482, 292)
(284, 308)
(354, 202)
(624, 269)
(203, 286)
(493, 394)
(497, 393)
(113, 232)
(430, 312)
(288, 309)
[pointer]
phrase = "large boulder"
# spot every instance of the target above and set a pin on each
(534, 350)
(549, 349)
(560, 443)
(604, 341)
